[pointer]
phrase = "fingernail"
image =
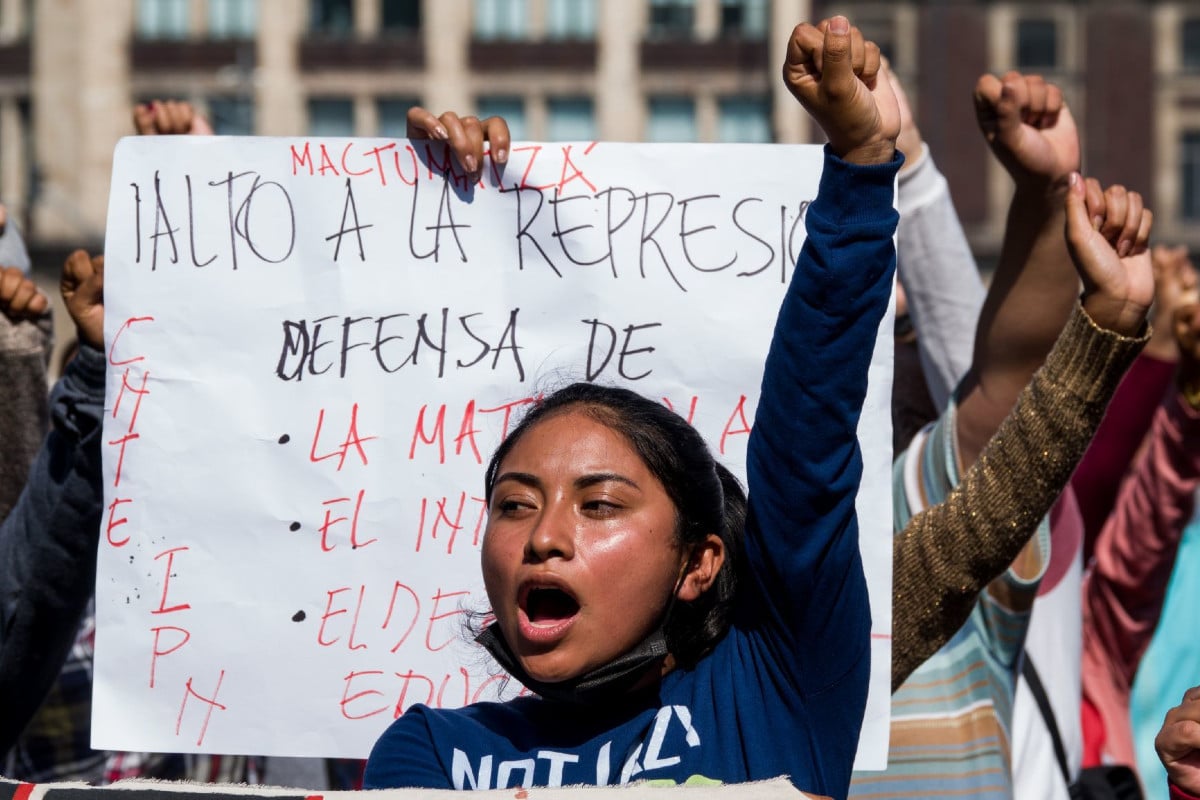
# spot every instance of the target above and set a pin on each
(469, 163)
(1124, 247)
(501, 156)
(1074, 179)
(839, 25)
(441, 133)
(1097, 222)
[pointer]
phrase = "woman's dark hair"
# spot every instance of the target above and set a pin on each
(707, 497)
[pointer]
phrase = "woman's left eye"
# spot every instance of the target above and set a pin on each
(601, 507)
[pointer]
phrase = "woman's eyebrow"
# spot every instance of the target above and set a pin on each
(584, 481)
(523, 478)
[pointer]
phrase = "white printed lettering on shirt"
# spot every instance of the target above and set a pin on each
(557, 760)
(460, 769)
(631, 767)
(657, 735)
(602, 764)
(463, 777)
(685, 717)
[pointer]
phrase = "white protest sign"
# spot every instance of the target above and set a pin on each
(314, 345)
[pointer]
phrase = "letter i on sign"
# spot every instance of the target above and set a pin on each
(167, 575)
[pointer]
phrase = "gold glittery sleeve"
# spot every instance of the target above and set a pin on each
(948, 553)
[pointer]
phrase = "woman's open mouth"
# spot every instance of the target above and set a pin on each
(546, 612)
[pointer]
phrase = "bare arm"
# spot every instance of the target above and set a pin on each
(1032, 133)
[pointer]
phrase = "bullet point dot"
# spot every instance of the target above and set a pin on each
(298, 616)
(295, 526)
(284, 439)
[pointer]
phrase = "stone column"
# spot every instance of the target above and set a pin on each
(707, 115)
(446, 31)
(198, 18)
(367, 18)
(620, 109)
(535, 23)
(366, 115)
(81, 85)
(537, 117)
(279, 90)
(708, 20)
(788, 119)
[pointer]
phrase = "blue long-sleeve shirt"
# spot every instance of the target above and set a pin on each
(784, 692)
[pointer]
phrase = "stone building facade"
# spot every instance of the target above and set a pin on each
(665, 70)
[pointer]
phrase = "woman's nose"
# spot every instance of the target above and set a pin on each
(552, 535)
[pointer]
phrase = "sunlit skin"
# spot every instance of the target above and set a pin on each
(574, 509)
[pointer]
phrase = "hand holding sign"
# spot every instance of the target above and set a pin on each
(465, 135)
(835, 74)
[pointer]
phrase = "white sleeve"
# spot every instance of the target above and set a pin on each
(939, 275)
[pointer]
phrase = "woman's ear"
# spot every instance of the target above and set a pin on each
(700, 572)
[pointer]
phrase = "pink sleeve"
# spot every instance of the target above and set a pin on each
(1099, 474)
(1135, 553)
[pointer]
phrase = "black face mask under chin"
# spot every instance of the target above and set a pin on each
(605, 683)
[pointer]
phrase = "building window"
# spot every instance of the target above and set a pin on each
(672, 119)
(162, 19)
(330, 118)
(571, 19)
(401, 16)
(671, 19)
(744, 119)
(331, 17)
(1037, 44)
(501, 19)
(232, 19)
(513, 111)
(745, 19)
(570, 119)
(1190, 44)
(231, 116)
(1189, 165)
(392, 113)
